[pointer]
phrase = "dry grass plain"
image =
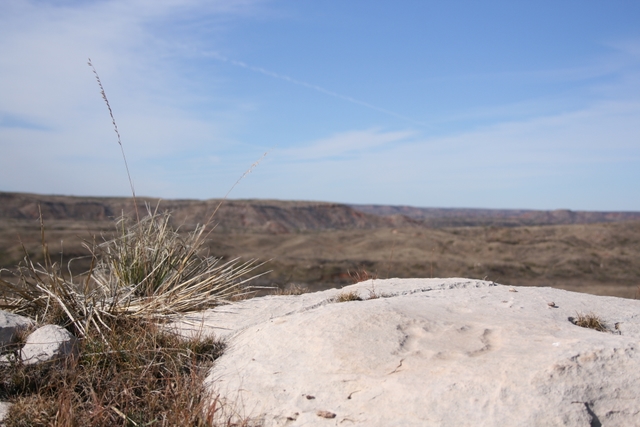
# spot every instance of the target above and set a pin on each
(602, 259)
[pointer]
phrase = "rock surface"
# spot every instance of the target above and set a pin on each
(9, 324)
(428, 352)
(48, 343)
(4, 411)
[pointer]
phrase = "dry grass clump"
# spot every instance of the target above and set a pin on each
(136, 374)
(129, 371)
(373, 294)
(589, 320)
(147, 271)
(362, 275)
(292, 289)
(348, 296)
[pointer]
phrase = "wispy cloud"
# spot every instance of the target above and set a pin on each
(629, 46)
(320, 89)
(547, 162)
(51, 114)
(352, 144)
(45, 46)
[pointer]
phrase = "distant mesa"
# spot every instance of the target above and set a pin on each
(457, 217)
(279, 216)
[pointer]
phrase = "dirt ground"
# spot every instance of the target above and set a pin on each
(602, 259)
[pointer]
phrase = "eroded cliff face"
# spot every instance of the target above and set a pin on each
(268, 215)
(288, 216)
(443, 217)
(323, 244)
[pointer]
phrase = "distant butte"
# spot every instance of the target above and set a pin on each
(288, 216)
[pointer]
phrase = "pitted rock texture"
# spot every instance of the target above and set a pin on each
(430, 352)
(50, 342)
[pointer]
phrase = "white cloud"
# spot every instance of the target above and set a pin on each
(626, 46)
(45, 47)
(51, 115)
(345, 144)
(576, 160)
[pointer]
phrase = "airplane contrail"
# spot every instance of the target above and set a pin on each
(310, 86)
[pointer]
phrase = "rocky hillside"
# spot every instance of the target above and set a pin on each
(279, 216)
(439, 217)
(322, 244)
(264, 215)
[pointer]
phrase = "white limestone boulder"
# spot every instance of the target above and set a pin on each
(47, 343)
(431, 352)
(10, 323)
(4, 411)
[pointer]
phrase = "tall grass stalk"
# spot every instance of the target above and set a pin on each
(115, 128)
(247, 172)
(129, 371)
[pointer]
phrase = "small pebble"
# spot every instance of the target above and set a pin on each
(325, 414)
(551, 304)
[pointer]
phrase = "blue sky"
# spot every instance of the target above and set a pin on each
(491, 104)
